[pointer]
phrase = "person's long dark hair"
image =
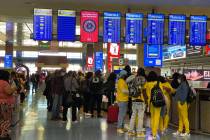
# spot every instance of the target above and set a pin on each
(183, 79)
(162, 79)
(4, 75)
(152, 76)
(141, 72)
(112, 77)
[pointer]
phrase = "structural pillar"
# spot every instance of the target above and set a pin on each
(140, 55)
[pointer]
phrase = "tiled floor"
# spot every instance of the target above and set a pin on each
(35, 125)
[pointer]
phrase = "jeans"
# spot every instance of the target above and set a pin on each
(57, 100)
(122, 114)
(138, 109)
(96, 99)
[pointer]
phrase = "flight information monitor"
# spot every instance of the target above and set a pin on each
(176, 31)
(155, 29)
(198, 29)
(8, 61)
(112, 27)
(99, 61)
(89, 26)
(134, 27)
(42, 24)
(152, 55)
(66, 25)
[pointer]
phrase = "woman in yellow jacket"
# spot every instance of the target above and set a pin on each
(122, 100)
(168, 90)
(155, 111)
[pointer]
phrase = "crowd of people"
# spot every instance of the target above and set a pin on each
(137, 95)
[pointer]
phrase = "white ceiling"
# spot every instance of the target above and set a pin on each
(23, 9)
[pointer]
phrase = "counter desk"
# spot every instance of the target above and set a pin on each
(199, 112)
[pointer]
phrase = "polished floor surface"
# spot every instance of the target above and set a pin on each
(35, 124)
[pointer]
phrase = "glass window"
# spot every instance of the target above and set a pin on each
(30, 54)
(74, 55)
(130, 56)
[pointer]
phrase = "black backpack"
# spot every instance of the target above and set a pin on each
(135, 87)
(157, 97)
(191, 96)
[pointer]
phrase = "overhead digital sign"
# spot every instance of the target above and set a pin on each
(66, 25)
(112, 27)
(134, 28)
(152, 55)
(176, 30)
(89, 26)
(155, 29)
(198, 30)
(8, 62)
(98, 61)
(42, 24)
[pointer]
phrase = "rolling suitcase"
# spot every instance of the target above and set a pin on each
(112, 114)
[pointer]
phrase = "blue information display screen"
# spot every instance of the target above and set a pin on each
(155, 29)
(134, 27)
(66, 25)
(98, 61)
(198, 29)
(176, 31)
(43, 24)
(112, 27)
(152, 55)
(8, 61)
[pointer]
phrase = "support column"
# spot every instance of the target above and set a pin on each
(8, 60)
(19, 35)
(140, 55)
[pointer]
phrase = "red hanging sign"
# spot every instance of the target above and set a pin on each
(89, 26)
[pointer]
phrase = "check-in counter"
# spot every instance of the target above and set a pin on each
(199, 111)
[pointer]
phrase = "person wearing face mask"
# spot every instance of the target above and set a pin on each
(122, 100)
(182, 107)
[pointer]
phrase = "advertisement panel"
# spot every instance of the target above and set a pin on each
(207, 50)
(89, 26)
(8, 63)
(98, 61)
(193, 74)
(194, 50)
(113, 52)
(174, 52)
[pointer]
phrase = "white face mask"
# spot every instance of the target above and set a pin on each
(179, 81)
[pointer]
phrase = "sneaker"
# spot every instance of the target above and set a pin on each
(154, 137)
(185, 135)
(140, 135)
(177, 133)
(120, 131)
(130, 133)
(74, 122)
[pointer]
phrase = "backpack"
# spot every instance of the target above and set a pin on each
(135, 86)
(191, 96)
(84, 87)
(96, 85)
(157, 97)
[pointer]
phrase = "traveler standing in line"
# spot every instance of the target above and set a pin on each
(128, 70)
(138, 104)
(48, 92)
(122, 101)
(155, 111)
(182, 106)
(58, 91)
(74, 87)
(174, 83)
(168, 91)
(95, 88)
(109, 88)
(7, 101)
(85, 91)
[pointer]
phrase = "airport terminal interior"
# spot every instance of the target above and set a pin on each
(68, 70)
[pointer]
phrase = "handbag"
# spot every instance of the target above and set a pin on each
(68, 99)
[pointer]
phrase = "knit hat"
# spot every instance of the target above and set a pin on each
(123, 73)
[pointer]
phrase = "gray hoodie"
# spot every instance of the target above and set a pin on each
(182, 92)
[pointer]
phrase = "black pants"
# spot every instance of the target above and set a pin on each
(76, 105)
(49, 102)
(111, 98)
(96, 100)
(87, 99)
